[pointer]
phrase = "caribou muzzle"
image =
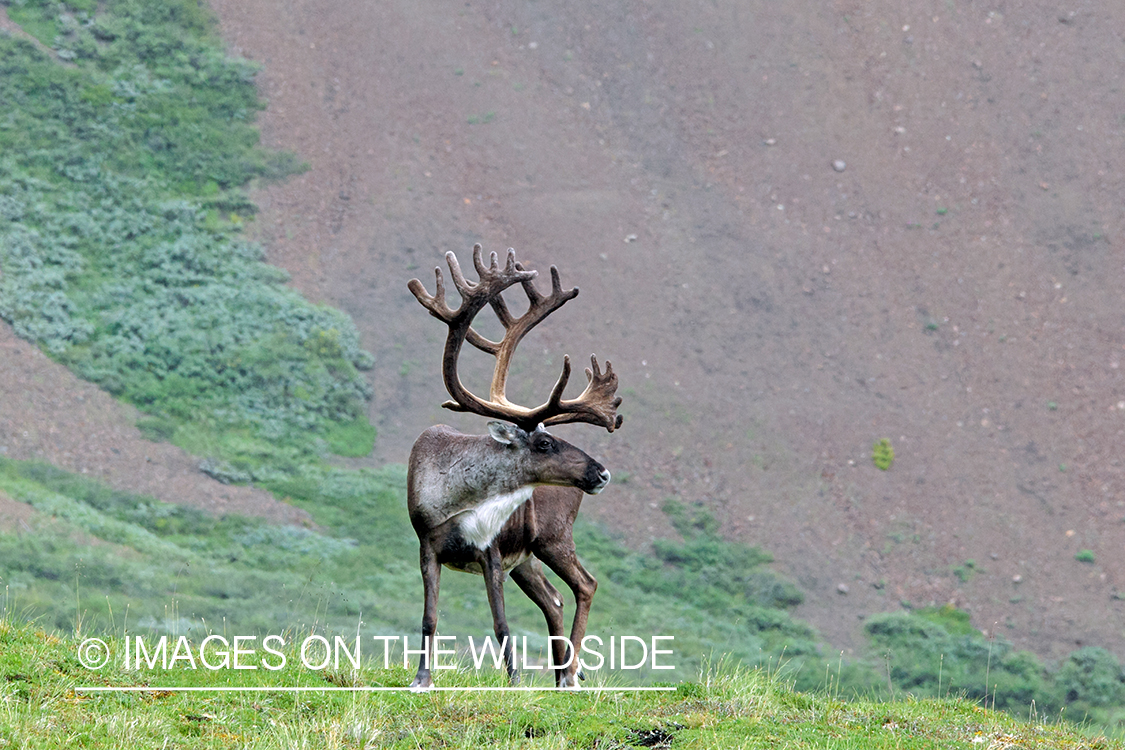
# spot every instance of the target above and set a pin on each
(596, 478)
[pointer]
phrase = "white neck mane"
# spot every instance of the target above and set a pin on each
(481, 524)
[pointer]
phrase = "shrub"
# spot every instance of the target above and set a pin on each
(1092, 676)
(882, 454)
(705, 562)
(935, 652)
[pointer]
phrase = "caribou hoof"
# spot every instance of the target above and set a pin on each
(421, 685)
(569, 682)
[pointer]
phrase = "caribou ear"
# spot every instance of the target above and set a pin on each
(502, 432)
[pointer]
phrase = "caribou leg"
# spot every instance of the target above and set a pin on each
(561, 557)
(431, 582)
(528, 575)
(494, 585)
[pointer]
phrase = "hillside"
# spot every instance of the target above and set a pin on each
(956, 288)
(49, 414)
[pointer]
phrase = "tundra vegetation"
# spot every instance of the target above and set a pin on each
(883, 454)
(722, 707)
(121, 191)
(126, 146)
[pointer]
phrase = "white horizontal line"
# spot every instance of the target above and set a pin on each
(289, 689)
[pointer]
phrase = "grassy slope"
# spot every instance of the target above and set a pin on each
(115, 561)
(41, 709)
(110, 562)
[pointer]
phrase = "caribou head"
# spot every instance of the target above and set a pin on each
(497, 503)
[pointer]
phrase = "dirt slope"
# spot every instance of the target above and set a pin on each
(956, 288)
(48, 414)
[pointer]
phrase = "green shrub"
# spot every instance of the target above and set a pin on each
(729, 572)
(882, 454)
(936, 652)
(175, 569)
(1092, 677)
(954, 621)
(965, 571)
(157, 429)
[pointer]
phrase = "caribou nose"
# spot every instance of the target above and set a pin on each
(603, 480)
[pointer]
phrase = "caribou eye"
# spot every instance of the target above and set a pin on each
(543, 445)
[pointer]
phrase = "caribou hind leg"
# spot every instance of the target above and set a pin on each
(528, 575)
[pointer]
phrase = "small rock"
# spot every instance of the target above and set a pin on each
(1017, 578)
(839, 165)
(770, 141)
(630, 238)
(842, 588)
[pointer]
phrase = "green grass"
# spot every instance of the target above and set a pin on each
(41, 707)
(355, 438)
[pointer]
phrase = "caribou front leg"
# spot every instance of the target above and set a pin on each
(431, 582)
(494, 584)
(528, 575)
(562, 558)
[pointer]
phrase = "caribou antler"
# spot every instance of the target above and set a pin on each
(596, 405)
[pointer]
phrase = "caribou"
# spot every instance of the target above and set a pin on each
(505, 503)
